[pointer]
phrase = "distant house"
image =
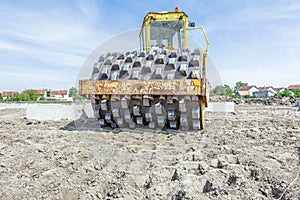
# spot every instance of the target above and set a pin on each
(59, 95)
(42, 92)
(281, 89)
(268, 91)
(6, 94)
(293, 87)
(246, 91)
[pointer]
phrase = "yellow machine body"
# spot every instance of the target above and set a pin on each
(171, 28)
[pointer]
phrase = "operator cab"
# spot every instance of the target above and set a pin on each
(166, 30)
(167, 34)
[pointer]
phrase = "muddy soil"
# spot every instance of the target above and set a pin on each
(251, 154)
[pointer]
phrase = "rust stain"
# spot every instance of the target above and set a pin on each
(150, 87)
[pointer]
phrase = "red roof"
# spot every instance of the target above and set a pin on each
(264, 88)
(6, 93)
(246, 88)
(41, 92)
(278, 89)
(293, 87)
(58, 92)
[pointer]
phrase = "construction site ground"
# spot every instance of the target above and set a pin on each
(253, 153)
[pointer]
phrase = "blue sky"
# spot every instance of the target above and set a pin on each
(44, 43)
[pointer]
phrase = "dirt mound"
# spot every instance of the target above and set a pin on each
(289, 101)
(12, 113)
(270, 101)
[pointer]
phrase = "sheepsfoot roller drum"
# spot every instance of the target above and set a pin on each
(158, 87)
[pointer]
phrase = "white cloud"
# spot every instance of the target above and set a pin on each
(89, 8)
(40, 41)
(9, 46)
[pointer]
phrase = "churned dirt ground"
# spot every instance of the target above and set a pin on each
(251, 154)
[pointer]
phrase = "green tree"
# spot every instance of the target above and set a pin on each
(218, 90)
(222, 90)
(48, 93)
(24, 97)
(42, 98)
(239, 84)
(30, 95)
(296, 92)
(73, 92)
(284, 93)
(228, 91)
(287, 93)
(1, 98)
(12, 97)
